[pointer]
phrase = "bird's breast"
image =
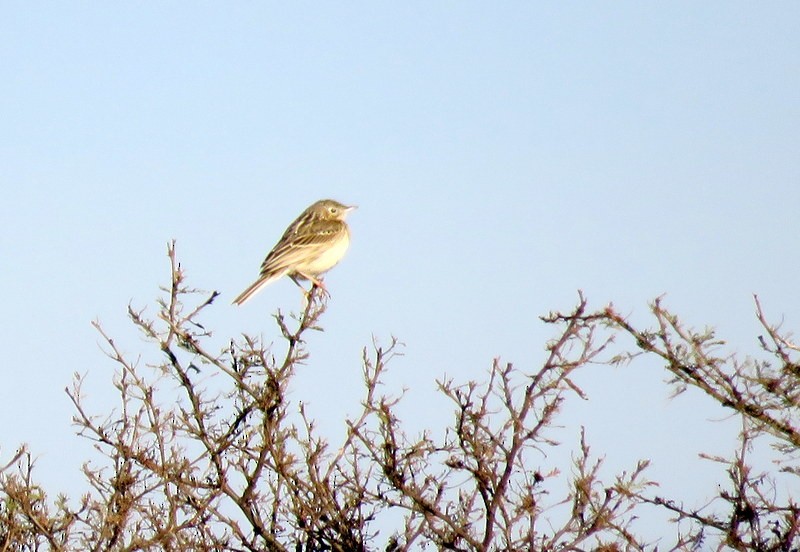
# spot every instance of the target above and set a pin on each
(329, 257)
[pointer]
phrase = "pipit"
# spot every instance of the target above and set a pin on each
(313, 244)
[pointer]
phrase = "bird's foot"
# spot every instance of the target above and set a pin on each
(318, 285)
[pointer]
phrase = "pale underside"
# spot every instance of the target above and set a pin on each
(310, 254)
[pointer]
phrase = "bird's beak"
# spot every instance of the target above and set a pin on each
(351, 208)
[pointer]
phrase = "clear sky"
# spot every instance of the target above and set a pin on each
(503, 156)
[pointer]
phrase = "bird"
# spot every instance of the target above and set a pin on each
(313, 244)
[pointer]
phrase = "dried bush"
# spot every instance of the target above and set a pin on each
(232, 462)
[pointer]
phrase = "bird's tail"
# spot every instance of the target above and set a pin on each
(254, 288)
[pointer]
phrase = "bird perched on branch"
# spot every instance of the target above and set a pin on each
(313, 244)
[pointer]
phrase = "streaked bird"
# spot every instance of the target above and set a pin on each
(313, 244)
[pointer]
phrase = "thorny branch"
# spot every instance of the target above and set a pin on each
(208, 449)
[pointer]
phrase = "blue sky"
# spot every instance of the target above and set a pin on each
(503, 156)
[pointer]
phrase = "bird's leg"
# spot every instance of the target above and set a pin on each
(315, 283)
(294, 279)
(306, 292)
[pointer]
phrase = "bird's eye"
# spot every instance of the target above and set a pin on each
(333, 210)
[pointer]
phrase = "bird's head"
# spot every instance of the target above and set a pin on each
(330, 209)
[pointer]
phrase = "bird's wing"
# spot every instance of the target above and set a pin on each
(298, 247)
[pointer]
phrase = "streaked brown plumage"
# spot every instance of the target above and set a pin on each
(313, 244)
